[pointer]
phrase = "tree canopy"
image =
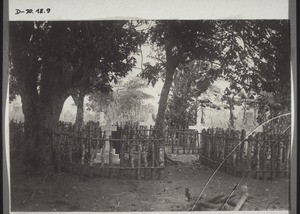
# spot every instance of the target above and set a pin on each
(51, 60)
(251, 54)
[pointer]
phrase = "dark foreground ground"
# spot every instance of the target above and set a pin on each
(72, 193)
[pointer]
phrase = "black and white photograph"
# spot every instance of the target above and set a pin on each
(142, 115)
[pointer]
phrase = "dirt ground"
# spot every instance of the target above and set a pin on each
(73, 193)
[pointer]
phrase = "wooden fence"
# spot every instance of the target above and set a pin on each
(182, 141)
(87, 152)
(261, 155)
(134, 152)
(16, 129)
(177, 141)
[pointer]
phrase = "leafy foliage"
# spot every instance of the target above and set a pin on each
(125, 103)
(252, 54)
(91, 54)
(257, 56)
(51, 60)
(189, 83)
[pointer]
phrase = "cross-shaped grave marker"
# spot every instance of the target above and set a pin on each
(107, 152)
(108, 128)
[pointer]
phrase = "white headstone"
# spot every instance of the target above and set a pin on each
(249, 124)
(249, 119)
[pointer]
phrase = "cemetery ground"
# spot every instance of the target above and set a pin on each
(67, 192)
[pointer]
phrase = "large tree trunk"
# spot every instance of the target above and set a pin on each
(79, 102)
(163, 101)
(160, 118)
(40, 120)
(43, 86)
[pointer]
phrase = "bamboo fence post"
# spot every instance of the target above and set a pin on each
(258, 139)
(177, 139)
(110, 161)
(202, 152)
(241, 151)
(193, 142)
(182, 141)
(287, 154)
(131, 157)
(249, 143)
(122, 157)
(83, 147)
(227, 150)
(209, 146)
(264, 156)
(56, 138)
(103, 147)
(70, 148)
(216, 145)
(172, 140)
(61, 147)
(236, 153)
(144, 148)
(206, 138)
(91, 150)
(280, 157)
(103, 142)
(198, 143)
(188, 141)
(152, 159)
(139, 153)
(221, 147)
(273, 146)
(84, 151)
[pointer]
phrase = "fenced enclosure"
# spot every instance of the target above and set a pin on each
(126, 153)
(132, 152)
(182, 141)
(261, 155)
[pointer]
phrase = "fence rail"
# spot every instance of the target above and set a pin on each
(262, 156)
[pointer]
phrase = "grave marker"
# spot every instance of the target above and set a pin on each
(108, 128)
(250, 123)
(103, 155)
